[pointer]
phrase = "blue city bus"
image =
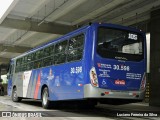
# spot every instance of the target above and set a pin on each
(100, 62)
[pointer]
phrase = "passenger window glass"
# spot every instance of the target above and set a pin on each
(61, 47)
(54, 54)
(33, 56)
(38, 64)
(39, 54)
(48, 61)
(18, 63)
(29, 58)
(17, 69)
(75, 48)
(24, 67)
(24, 59)
(75, 54)
(46, 52)
(49, 51)
(60, 58)
(51, 48)
(30, 65)
(76, 42)
(60, 52)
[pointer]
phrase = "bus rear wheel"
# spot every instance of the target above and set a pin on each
(15, 97)
(45, 102)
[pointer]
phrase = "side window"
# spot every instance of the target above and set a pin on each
(51, 50)
(75, 49)
(37, 55)
(61, 47)
(25, 59)
(38, 59)
(76, 42)
(41, 54)
(19, 63)
(48, 53)
(38, 64)
(11, 68)
(17, 69)
(23, 67)
(60, 52)
(30, 65)
(33, 57)
(29, 58)
(48, 61)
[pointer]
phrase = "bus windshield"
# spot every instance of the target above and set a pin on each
(119, 44)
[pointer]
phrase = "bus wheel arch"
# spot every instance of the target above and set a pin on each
(42, 88)
(46, 103)
(14, 86)
(15, 97)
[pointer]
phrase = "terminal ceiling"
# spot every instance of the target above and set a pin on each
(30, 23)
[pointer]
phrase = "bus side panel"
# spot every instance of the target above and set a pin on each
(33, 83)
(20, 81)
(63, 81)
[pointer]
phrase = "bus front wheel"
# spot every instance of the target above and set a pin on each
(45, 102)
(15, 97)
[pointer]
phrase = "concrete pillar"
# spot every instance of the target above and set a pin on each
(155, 58)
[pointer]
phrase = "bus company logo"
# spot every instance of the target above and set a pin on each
(120, 82)
(101, 65)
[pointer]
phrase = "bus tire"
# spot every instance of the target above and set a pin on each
(15, 97)
(46, 104)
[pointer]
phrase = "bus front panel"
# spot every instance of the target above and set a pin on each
(119, 65)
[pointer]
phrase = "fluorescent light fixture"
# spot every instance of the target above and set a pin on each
(4, 5)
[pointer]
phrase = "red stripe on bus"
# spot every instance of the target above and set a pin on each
(37, 86)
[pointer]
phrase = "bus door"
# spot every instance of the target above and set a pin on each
(9, 77)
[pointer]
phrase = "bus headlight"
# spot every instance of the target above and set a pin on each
(93, 77)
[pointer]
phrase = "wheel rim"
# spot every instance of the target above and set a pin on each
(14, 95)
(45, 98)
